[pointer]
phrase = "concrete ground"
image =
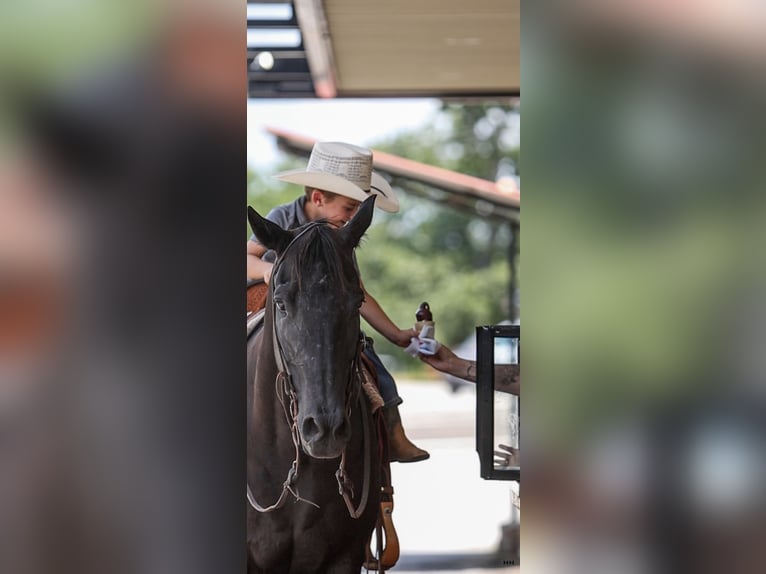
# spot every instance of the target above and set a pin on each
(447, 517)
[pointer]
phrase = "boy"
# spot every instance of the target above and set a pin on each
(337, 179)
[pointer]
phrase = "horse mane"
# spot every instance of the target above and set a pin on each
(317, 242)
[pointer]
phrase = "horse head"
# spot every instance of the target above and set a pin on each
(313, 312)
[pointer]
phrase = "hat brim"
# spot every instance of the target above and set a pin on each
(324, 181)
(386, 197)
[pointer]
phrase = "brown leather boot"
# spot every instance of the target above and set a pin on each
(400, 449)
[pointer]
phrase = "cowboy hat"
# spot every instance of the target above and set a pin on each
(344, 169)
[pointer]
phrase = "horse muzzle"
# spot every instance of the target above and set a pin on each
(324, 435)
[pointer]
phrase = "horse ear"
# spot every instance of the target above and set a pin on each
(354, 229)
(268, 233)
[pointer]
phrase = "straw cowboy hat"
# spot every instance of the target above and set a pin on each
(344, 169)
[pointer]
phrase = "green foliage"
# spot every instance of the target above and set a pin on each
(483, 139)
(457, 261)
(460, 297)
(427, 228)
(476, 140)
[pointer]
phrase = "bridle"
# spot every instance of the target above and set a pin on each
(285, 391)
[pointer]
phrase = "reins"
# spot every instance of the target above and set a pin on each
(292, 474)
(286, 390)
(345, 486)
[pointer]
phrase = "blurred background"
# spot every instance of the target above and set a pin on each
(124, 134)
(643, 299)
(121, 357)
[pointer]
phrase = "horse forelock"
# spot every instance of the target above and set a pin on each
(320, 248)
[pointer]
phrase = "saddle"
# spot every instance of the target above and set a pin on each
(257, 290)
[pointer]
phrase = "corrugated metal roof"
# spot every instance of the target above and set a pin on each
(396, 48)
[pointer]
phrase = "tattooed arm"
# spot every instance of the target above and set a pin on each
(507, 377)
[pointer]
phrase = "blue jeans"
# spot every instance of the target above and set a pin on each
(386, 382)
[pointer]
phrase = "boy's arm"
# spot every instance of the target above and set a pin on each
(257, 268)
(374, 314)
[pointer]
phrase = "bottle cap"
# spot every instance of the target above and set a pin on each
(424, 312)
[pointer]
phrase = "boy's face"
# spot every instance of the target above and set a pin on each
(337, 209)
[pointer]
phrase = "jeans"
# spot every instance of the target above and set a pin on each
(386, 382)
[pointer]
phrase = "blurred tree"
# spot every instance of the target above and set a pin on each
(478, 140)
(456, 260)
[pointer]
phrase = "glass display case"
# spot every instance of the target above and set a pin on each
(497, 411)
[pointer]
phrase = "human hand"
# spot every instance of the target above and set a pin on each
(403, 337)
(507, 457)
(443, 360)
(267, 274)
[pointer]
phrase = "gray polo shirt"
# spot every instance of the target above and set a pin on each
(287, 216)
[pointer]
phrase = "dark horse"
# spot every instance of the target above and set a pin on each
(313, 466)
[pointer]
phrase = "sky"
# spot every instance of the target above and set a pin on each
(356, 121)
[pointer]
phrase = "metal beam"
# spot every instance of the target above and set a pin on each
(316, 38)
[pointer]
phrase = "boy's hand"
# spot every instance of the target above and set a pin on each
(404, 336)
(267, 274)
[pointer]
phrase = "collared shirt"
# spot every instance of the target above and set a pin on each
(287, 216)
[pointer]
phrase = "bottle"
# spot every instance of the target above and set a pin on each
(424, 322)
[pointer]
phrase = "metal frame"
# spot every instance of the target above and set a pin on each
(291, 76)
(485, 398)
(317, 41)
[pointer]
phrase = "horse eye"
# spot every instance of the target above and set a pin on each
(280, 305)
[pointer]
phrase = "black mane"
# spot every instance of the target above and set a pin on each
(317, 244)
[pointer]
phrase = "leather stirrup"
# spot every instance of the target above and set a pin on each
(384, 533)
(387, 541)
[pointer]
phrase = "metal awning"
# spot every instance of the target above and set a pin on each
(396, 48)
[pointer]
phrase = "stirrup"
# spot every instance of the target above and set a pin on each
(384, 529)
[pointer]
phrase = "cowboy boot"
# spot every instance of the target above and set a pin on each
(400, 449)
